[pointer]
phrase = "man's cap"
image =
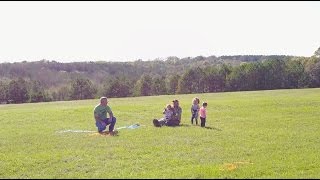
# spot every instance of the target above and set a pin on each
(175, 100)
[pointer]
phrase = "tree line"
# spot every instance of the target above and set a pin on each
(46, 81)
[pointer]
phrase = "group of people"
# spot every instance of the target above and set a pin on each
(196, 110)
(172, 115)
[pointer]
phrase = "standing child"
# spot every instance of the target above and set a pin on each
(194, 110)
(203, 114)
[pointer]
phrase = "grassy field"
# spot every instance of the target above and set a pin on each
(257, 134)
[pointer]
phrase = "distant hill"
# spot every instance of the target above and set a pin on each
(54, 81)
(53, 73)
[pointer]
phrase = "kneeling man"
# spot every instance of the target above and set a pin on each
(100, 115)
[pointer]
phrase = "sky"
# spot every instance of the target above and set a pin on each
(126, 31)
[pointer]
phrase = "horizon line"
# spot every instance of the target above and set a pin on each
(140, 59)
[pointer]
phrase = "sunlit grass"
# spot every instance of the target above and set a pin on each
(257, 134)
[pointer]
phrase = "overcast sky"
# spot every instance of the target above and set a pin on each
(127, 31)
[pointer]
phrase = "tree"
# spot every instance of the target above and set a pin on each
(274, 73)
(185, 75)
(143, 86)
(62, 94)
(310, 71)
(18, 91)
(172, 60)
(199, 85)
(37, 93)
(251, 75)
(185, 82)
(82, 88)
(192, 81)
(235, 79)
(159, 85)
(117, 88)
(172, 85)
(295, 74)
(317, 52)
(215, 80)
(225, 70)
(3, 91)
(315, 75)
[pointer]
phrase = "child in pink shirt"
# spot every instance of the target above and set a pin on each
(203, 113)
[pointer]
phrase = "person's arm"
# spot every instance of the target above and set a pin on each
(109, 111)
(110, 115)
(164, 111)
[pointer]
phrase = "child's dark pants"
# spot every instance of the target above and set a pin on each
(203, 121)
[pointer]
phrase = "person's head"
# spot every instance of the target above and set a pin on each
(175, 103)
(195, 100)
(103, 101)
(198, 100)
(204, 104)
(168, 107)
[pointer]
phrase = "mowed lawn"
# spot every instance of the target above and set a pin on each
(257, 134)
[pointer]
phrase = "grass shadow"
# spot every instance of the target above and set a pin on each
(184, 125)
(181, 125)
(188, 125)
(213, 128)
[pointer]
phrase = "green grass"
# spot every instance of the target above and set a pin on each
(257, 134)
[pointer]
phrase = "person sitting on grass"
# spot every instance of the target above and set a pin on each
(175, 118)
(177, 111)
(100, 115)
(168, 113)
